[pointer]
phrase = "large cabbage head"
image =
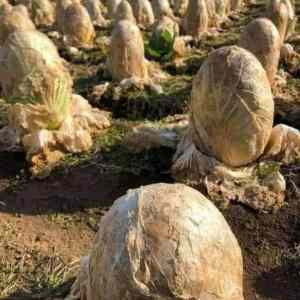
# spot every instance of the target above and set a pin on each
(235, 4)
(292, 17)
(222, 7)
(164, 241)
(232, 107)
(60, 10)
(4, 6)
(196, 19)
(212, 13)
(143, 12)
(94, 9)
(124, 12)
(78, 27)
(32, 72)
(42, 11)
(282, 14)
(162, 8)
(161, 43)
(16, 18)
(262, 38)
(180, 7)
(126, 55)
(112, 6)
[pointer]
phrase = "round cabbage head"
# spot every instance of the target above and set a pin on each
(279, 12)
(94, 9)
(32, 72)
(42, 12)
(180, 7)
(126, 56)
(262, 38)
(124, 12)
(13, 19)
(235, 4)
(196, 20)
(112, 6)
(60, 10)
(4, 6)
(162, 8)
(143, 12)
(212, 13)
(232, 107)
(77, 25)
(164, 241)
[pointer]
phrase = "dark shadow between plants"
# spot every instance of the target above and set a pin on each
(281, 283)
(57, 293)
(95, 183)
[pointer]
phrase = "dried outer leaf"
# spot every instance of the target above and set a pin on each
(287, 52)
(28, 129)
(126, 55)
(89, 118)
(49, 113)
(43, 163)
(162, 241)
(179, 49)
(284, 144)
(262, 38)
(148, 136)
(36, 140)
(259, 185)
(16, 18)
(232, 107)
(196, 21)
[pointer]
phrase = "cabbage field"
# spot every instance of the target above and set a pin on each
(150, 149)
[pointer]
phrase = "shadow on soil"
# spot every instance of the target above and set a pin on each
(281, 283)
(72, 189)
(58, 293)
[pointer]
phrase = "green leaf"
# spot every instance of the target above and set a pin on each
(160, 46)
(152, 52)
(167, 37)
